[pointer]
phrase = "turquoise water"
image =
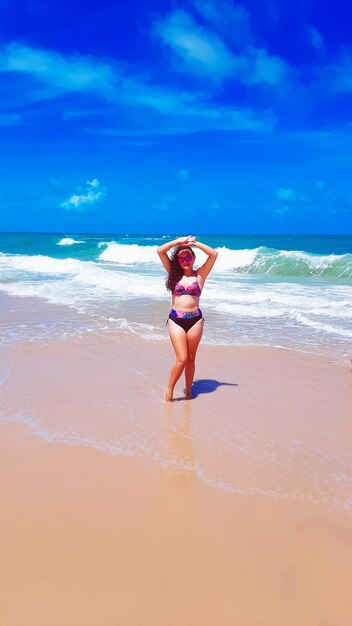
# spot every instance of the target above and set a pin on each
(291, 291)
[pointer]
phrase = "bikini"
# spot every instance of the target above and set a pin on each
(186, 319)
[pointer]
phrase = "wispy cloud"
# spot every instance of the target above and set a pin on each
(290, 199)
(286, 194)
(199, 118)
(194, 111)
(282, 210)
(93, 183)
(264, 68)
(231, 20)
(315, 38)
(167, 106)
(204, 53)
(88, 196)
(226, 78)
(57, 72)
(164, 100)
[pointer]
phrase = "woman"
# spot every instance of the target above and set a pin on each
(185, 318)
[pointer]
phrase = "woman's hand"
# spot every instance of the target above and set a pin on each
(186, 240)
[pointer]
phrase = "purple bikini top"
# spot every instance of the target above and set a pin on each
(192, 290)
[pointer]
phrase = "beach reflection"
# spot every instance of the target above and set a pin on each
(172, 516)
(178, 420)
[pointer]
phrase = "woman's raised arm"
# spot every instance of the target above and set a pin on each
(212, 255)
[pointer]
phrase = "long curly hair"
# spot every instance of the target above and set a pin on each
(176, 271)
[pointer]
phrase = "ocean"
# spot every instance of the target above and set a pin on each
(289, 291)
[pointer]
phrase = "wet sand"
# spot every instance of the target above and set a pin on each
(119, 508)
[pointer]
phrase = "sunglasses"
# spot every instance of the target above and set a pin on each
(185, 259)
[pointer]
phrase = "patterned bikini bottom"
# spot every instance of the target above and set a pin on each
(185, 320)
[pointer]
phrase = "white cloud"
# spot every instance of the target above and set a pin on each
(93, 183)
(202, 51)
(316, 39)
(200, 118)
(286, 194)
(161, 99)
(281, 211)
(264, 68)
(165, 109)
(183, 111)
(89, 196)
(59, 73)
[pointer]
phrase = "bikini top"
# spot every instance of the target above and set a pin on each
(192, 290)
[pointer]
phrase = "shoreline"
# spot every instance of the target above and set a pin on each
(80, 297)
(282, 415)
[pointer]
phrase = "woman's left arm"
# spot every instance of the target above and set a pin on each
(212, 254)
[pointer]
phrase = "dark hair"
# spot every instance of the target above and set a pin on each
(176, 271)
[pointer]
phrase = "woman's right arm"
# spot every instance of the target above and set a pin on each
(162, 250)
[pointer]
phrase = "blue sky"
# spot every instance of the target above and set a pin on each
(202, 116)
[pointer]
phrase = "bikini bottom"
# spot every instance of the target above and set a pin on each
(185, 320)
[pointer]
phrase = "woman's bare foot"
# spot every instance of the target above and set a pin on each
(168, 396)
(189, 395)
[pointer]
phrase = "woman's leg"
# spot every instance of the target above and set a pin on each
(194, 336)
(179, 341)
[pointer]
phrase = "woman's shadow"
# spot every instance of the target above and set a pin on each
(208, 385)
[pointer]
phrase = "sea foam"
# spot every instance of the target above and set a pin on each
(68, 241)
(127, 254)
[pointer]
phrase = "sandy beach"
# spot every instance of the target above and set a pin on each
(119, 508)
